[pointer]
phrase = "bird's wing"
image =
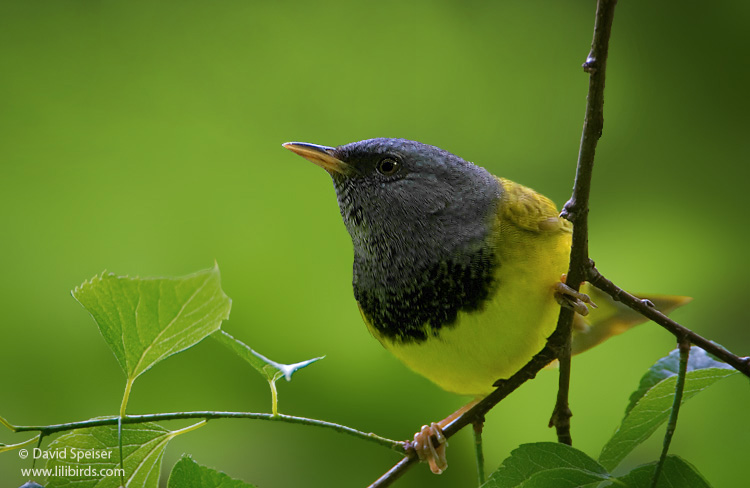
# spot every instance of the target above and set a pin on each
(530, 210)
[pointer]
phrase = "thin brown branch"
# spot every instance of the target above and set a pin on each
(504, 388)
(577, 208)
(581, 269)
(398, 470)
(646, 308)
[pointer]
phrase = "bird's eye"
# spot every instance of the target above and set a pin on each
(388, 166)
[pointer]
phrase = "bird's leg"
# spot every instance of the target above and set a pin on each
(569, 298)
(425, 440)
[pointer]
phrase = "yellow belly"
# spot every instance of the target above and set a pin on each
(484, 346)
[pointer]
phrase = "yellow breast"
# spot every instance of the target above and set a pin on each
(532, 245)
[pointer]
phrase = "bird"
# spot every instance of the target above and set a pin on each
(457, 272)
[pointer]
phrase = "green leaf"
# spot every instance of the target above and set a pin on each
(677, 473)
(553, 465)
(547, 464)
(653, 403)
(143, 449)
(563, 478)
(669, 366)
(146, 320)
(271, 370)
(186, 473)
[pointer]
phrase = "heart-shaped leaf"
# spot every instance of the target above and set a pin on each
(186, 473)
(651, 404)
(145, 320)
(90, 458)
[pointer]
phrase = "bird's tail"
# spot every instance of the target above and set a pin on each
(612, 318)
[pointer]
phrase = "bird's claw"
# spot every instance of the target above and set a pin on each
(425, 448)
(569, 298)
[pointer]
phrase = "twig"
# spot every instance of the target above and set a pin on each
(207, 415)
(684, 346)
(393, 474)
(39, 445)
(577, 208)
(478, 450)
(119, 445)
(561, 414)
(504, 388)
(646, 308)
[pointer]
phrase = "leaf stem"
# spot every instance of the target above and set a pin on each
(478, 451)
(7, 424)
(25, 443)
(123, 406)
(38, 445)
(126, 396)
(208, 415)
(684, 346)
(189, 428)
(274, 398)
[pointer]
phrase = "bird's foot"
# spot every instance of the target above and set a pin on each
(430, 442)
(424, 445)
(569, 298)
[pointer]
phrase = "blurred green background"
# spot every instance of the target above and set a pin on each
(143, 137)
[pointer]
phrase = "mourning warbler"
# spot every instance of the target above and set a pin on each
(456, 271)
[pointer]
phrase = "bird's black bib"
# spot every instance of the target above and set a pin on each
(431, 300)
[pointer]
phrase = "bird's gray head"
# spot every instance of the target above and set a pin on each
(405, 203)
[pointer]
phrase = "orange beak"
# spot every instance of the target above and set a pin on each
(320, 155)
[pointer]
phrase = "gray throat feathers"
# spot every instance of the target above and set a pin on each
(413, 274)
